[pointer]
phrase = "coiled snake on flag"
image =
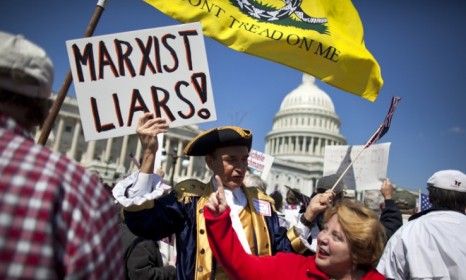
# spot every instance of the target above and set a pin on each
(291, 7)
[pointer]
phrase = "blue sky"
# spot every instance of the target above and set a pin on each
(419, 45)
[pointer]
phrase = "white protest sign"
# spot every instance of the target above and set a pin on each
(260, 163)
(367, 171)
(118, 77)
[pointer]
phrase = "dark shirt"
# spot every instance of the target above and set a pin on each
(143, 259)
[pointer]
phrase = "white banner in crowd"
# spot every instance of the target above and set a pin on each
(118, 77)
(366, 173)
(260, 163)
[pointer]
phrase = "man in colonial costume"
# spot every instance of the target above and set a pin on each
(151, 213)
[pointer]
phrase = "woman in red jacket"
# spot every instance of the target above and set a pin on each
(348, 247)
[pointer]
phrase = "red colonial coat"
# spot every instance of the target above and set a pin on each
(239, 265)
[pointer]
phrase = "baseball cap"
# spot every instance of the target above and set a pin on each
(448, 180)
(25, 67)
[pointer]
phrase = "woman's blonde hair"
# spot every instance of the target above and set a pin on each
(363, 230)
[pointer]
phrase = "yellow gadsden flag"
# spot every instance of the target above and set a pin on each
(321, 37)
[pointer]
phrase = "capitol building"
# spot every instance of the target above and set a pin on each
(305, 123)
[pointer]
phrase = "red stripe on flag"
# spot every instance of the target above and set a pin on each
(383, 128)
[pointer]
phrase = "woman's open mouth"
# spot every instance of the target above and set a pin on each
(321, 253)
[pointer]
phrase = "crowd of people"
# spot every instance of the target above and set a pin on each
(58, 221)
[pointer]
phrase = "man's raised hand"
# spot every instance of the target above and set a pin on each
(148, 128)
(217, 202)
(387, 189)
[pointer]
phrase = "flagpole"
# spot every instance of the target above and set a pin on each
(135, 161)
(418, 204)
(48, 123)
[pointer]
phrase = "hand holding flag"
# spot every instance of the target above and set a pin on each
(318, 204)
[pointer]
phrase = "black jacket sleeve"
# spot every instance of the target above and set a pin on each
(391, 217)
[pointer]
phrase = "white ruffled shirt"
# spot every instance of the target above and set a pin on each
(138, 188)
(141, 187)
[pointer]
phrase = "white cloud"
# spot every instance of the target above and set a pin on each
(456, 130)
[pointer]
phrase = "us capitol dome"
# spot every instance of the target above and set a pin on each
(305, 123)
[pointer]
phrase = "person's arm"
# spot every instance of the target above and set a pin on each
(390, 217)
(166, 216)
(228, 250)
(148, 128)
(317, 205)
(298, 238)
(223, 241)
(308, 219)
(141, 187)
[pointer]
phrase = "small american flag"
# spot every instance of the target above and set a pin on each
(424, 203)
(383, 128)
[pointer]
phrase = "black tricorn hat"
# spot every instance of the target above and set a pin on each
(206, 142)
